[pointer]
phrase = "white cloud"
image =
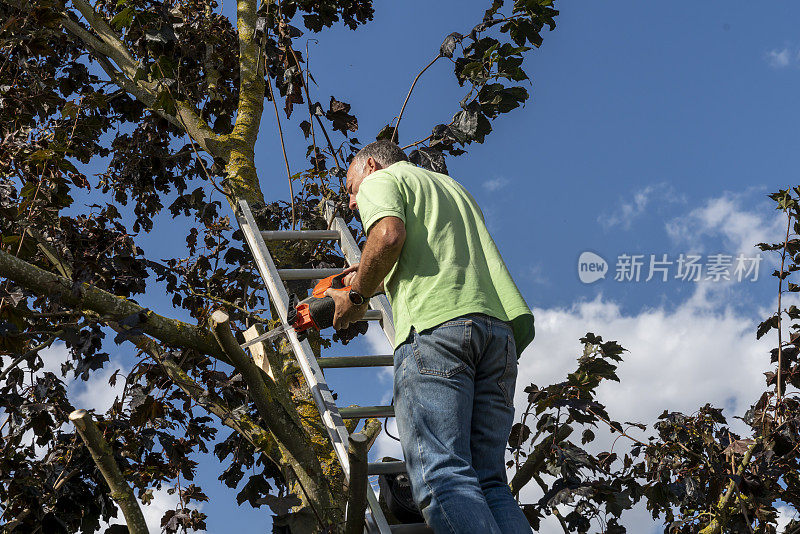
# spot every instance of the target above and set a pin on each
(672, 360)
(536, 274)
(785, 514)
(727, 223)
(495, 184)
(96, 393)
(92, 394)
(153, 512)
(629, 210)
(780, 58)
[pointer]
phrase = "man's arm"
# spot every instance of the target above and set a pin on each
(384, 244)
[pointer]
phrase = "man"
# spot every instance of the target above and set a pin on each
(460, 321)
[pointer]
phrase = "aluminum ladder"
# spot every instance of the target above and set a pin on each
(380, 310)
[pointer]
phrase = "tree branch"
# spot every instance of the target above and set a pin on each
(357, 487)
(402, 109)
(242, 177)
(110, 307)
(715, 526)
(372, 428)
(121, 492)
(258, 437)
(114, 48)
(109, 47)
(292, 439)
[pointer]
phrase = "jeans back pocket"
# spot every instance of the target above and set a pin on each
(443, 350)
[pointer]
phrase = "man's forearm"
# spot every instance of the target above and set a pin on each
(381, 251)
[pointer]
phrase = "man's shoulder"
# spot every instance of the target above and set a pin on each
(405, 171)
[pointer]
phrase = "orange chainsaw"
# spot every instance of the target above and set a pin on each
(315, 312)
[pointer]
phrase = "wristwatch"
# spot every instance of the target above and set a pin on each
(356, 297)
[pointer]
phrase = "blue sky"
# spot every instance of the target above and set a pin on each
(650, 130)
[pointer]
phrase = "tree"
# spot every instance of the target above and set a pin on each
(172, 94)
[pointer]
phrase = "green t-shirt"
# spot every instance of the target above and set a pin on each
(449, 265)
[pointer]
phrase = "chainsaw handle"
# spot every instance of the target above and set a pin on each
(334, 282)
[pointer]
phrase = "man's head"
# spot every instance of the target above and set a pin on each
(369, 159)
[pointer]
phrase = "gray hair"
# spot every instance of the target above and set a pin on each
(384, 152)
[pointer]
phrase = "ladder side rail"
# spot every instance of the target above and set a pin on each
(311, 371)
(334, 424)
(353, 255)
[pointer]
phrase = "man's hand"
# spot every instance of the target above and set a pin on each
(350, 277)
(346, 312)
(350, 274)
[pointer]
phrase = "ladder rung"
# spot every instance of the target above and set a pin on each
(306, 274)
(373, 315)
(411, 528)
(386, 468)
(362, 412)
(308, 235)
(332, 362)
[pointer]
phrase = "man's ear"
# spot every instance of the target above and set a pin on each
(373, 165)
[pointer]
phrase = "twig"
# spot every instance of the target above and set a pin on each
(283, 147)
(606, 421)
(779, 394)
(308, 101)
(250, 314)
(418, 142)
(30, 353)
(400, 116)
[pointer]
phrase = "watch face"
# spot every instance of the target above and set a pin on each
(356, 298)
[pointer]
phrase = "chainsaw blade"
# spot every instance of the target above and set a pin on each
(275, 332)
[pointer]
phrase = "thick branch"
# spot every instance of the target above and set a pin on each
(372, 428)
(111, 307)
(293, 440)
(260, 438)
(114, 48)
(357, 487)
(121, 492)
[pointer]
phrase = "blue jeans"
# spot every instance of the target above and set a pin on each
(453, 394)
